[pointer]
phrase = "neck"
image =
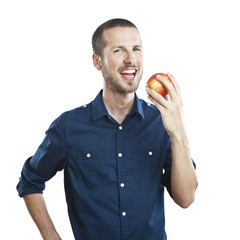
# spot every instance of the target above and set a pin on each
(118, 105)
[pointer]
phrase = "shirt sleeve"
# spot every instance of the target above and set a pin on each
(44, 164)
(166, 179)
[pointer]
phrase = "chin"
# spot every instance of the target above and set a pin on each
(131, 88)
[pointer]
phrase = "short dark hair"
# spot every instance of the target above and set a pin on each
(98, 43)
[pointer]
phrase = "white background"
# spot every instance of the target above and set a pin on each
(46, 69)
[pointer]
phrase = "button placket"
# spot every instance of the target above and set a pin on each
(121, 168)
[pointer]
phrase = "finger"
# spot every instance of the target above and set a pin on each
(157, 97)
(156, 103)
(168, 85)
(175, 83)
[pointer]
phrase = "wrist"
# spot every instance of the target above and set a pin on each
(51, 236)
(179, 135)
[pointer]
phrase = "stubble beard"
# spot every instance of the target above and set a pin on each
(116, 86)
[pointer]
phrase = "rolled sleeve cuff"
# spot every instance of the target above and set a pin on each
(24, 188)
(29, 181)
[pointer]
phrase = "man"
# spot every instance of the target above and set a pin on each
(117, 152)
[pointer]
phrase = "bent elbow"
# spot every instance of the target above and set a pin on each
(186, 202)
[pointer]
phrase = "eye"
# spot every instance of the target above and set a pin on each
(117, 50)
(137, 49)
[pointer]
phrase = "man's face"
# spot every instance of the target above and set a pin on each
(122, 61)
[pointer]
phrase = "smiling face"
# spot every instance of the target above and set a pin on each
(122, 59)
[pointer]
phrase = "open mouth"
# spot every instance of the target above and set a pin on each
(129, 74)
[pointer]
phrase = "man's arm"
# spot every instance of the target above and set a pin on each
(183, 176)
(37, 208)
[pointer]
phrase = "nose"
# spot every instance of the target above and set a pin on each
(130, 58)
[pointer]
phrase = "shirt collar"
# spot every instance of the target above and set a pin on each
(99, 110)
(137, 107)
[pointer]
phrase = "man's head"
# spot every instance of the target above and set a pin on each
(98, 42)
(117, 52)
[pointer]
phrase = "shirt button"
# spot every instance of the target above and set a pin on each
(88, 155)
(150, 153)
(120, 154)
(124, 214)
(120, 127)
(122, 184)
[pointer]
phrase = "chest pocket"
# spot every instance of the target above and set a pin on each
(149, 166)
(92, 168)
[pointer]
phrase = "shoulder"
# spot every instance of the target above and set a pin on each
(73, 115)
(151, 113)
(79, 110)
(149, 107)
(84, 109)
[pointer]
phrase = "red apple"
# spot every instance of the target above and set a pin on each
(158, 87)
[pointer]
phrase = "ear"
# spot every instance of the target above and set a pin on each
(97, 62)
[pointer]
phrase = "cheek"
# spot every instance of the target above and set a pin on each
(111, 64)
(140, 60)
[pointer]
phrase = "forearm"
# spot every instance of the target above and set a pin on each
(37, 208)
(183, 175)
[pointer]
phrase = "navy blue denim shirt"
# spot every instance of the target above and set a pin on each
(114, 174)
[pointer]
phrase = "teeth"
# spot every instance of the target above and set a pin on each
(130, 71)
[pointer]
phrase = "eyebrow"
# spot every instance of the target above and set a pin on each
(138, 46)
(135, 46)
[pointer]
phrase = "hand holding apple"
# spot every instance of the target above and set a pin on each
(171, 107)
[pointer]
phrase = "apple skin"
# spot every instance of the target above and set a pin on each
(158, 87)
